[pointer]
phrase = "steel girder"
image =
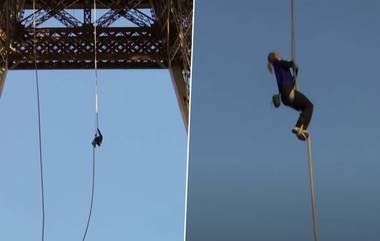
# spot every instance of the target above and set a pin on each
(159, 35)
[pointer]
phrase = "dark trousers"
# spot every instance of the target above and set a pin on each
(303, 104)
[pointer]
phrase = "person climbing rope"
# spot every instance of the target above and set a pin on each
(97, 139)
(288, 94)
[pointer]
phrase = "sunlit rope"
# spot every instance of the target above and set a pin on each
(39, 122)
(312, 192)
(96, 123)
(293, 38)
(96, 70)
(309, 149)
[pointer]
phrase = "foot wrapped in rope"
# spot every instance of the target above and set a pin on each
(300, 133)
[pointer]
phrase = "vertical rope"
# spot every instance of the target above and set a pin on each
(293, 31)
(96, 124)
(293, 37)
(96, 70)
(312, 192)
(92, 194)
(39, 122)
(310, 160)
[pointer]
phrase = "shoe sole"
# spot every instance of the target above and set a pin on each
(303, 137)
(294, 131)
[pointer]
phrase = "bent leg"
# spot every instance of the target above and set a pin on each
(303, 104)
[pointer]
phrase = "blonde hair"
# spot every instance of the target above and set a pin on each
(271, 58)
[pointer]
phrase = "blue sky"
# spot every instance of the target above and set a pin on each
(247, 173)
(141, 166)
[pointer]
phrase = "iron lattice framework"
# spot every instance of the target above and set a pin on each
(155, 34)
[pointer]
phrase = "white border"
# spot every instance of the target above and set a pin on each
(189, 123)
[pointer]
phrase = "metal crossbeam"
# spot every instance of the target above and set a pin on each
(168, 41)
(69, 48)
(158, 36)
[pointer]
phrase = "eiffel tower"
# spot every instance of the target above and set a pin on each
(131, 34)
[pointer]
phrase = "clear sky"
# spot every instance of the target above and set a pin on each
(140, 175)
(247, 172)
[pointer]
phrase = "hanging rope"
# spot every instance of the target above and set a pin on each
(309, 150)
(96, 71)
(293, 38)
(293, 31)
(97, 141)
(39, 122)
(92, 194)
(312, 193)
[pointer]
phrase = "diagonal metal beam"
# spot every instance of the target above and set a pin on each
(160, 37)
(48, 10)
(127, 11)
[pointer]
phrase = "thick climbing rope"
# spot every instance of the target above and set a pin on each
(309, 150)
(312, 192)
(98, 137)
(96, 71)
(293, 31)
(92, 194)
(293, 37)
(39, 122)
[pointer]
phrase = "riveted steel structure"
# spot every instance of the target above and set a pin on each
(154, 34)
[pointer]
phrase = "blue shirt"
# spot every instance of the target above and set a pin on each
(285, 80)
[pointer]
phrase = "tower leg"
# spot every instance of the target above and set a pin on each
(180, 88)
(3, 64)
(3, 75)
(4, 42)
